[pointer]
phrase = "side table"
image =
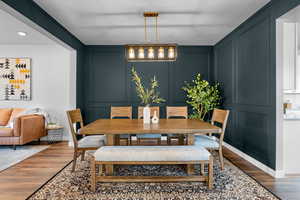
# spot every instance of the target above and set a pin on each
(54, 133)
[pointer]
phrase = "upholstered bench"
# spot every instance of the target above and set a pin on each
(143, 155)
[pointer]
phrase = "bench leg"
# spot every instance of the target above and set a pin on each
(93, 175)
(110, 142)
(210, 173)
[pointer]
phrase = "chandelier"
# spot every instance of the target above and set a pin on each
(151, 52)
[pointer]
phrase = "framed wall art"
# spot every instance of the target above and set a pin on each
(15, 79)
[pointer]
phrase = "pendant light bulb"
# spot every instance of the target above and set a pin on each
(141, 53)
(150, 53)
(161, 53)
(171, 53)
(131, 53)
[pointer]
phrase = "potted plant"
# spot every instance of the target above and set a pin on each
(202, 96)
(147, 96)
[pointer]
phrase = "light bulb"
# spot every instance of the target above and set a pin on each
(171, 53)
(141, 53)
(150, 53)
(161, 53)
(131, 53)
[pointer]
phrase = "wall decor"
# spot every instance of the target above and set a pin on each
(15, 79)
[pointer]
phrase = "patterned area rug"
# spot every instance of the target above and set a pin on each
(231, 183)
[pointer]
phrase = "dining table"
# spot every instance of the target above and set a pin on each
(113, 128)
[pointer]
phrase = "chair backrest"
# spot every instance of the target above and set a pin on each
(121, 112)
(220, 116)
(74, 117)
(152, 110)
(177, 111)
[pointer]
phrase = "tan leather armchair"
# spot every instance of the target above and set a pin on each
(26, 128)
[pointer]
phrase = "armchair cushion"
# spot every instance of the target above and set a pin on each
(209, 142)
(6, 132)
(5, 114)
(15, 113)
(92, 141)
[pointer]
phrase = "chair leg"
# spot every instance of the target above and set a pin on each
(210, 173)
(93, 175)
(74, 160)
(82, 155)
(202, 168)
(159, 141)
(221, 158)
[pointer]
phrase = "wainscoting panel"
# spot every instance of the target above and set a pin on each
(253, 54)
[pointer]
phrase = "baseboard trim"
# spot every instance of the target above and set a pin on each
(263, 167)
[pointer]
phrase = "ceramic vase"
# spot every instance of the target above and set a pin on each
(155, 119)
(146, 115)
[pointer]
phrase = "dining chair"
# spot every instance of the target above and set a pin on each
(117, 112)
(141, 137)
(86, 143)
(176, 112)
(220, 117)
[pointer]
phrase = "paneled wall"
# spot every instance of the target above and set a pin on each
(245, 63)
(107, 78)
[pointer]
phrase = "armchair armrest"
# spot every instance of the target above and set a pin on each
(29, 127)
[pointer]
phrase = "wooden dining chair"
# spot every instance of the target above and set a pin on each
(86, 143)
(141, 137)
(220, 117)
(176, 112)
(117, 112)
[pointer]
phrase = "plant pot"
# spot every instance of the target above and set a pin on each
(146, 115)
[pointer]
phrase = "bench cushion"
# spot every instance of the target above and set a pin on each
(151, 153)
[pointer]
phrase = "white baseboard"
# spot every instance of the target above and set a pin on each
(263, 167)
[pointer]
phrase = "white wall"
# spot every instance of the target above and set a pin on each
(53, 83)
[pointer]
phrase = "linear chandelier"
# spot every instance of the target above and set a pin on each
(151, 52)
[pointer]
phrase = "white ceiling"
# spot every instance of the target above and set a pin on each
(186, 22)
(9, 28)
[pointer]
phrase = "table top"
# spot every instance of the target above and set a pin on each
(136, 126)
(55, 127)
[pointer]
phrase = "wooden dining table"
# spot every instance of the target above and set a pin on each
(113, 128)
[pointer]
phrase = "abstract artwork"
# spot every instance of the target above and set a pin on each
(15, 78)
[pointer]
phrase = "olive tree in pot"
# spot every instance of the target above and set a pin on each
(147, 96)
(202, 97)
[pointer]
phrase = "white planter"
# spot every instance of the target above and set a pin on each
(146, 115)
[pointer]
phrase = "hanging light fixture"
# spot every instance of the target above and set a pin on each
(151, 51)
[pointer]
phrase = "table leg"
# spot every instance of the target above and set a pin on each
(190, 141)
(181, 139)
(110, 139)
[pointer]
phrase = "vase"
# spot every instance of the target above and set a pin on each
(146, 115)
(155, 119)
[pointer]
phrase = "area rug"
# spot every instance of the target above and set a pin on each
(230, 184)
(10, 157)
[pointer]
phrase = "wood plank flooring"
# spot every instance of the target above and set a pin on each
(21, 180)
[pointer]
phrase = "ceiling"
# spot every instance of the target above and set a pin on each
(9, 28)
(115, 22)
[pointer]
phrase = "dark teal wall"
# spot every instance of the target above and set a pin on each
(36, 14)
(107, 79)
(245, 62)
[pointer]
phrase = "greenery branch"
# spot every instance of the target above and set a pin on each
(147, 95)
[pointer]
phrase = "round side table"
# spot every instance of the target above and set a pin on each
(54, 133)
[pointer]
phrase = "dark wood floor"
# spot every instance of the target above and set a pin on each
(21, 180)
